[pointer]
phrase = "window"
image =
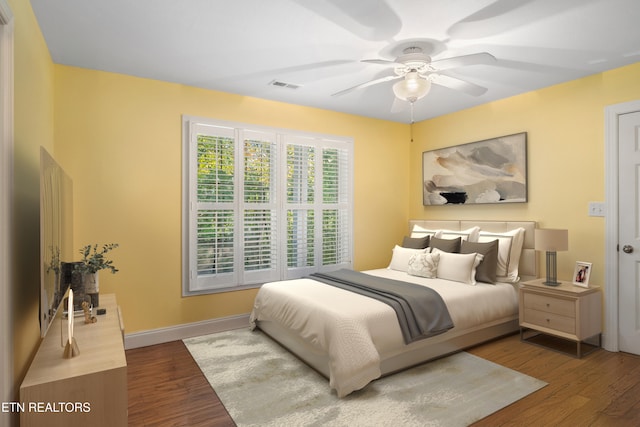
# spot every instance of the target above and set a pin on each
(262, 204)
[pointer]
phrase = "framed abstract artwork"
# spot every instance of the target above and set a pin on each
(489, 171)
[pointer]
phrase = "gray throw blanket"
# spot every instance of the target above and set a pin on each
(420, 310)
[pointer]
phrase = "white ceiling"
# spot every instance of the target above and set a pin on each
(241, 46)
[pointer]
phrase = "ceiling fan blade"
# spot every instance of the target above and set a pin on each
(504, 15)
(379, 61)
(464, 60)
(458, 84)
(278, 73)
(367, 84)
(372, 20)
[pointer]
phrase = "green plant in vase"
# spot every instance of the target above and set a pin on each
(94, 260)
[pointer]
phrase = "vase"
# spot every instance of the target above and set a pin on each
(72, 277)
(92, 287)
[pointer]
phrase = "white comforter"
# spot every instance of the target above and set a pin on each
(356, 332)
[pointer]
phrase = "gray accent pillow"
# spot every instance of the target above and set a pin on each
(486, 270)
(416, 242)
(446, 245)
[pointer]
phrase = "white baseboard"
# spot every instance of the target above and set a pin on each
(174, 333)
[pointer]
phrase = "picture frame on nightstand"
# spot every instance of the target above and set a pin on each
(582, 273)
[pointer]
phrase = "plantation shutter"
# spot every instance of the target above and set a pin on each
(260, 215)
(301, 208)
(336, 217)
(318, 206)
(214, 213)
(263, 205)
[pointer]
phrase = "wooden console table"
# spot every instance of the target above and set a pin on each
(87, 390)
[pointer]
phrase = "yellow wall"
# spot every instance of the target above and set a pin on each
(119, 138)
(565, 126)
(33, 127)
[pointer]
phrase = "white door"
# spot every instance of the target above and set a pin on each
(629, 231)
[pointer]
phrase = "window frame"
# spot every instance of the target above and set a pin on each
(281, 138)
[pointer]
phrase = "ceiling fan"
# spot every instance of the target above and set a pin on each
(418, 72)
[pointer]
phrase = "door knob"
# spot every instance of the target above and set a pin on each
(627, 249)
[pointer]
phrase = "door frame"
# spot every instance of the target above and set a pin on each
(611, 323)
(6, 203)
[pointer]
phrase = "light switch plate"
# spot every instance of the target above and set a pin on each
(596, 208)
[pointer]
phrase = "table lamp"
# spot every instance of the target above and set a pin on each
(551, 241)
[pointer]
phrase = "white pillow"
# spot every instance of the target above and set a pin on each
(458, 267)
(418, 231)
(424, 265)
(400, 257)
(470, 234)
(509, 250)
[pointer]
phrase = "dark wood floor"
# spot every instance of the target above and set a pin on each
(166, 388)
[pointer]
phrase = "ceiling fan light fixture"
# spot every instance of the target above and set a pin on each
(412, 87)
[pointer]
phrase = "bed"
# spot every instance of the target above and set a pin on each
(353, 339)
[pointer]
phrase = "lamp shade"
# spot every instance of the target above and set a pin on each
(551, 240)
(412, 87)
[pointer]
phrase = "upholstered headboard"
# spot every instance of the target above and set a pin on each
(528, 267)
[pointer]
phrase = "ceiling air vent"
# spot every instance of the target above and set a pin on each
(283, 84)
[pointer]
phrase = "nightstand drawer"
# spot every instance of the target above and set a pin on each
(550, 304)
(550, 320)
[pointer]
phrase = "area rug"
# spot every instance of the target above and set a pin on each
(262, 384)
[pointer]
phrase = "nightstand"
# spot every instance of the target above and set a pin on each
(566, 311)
